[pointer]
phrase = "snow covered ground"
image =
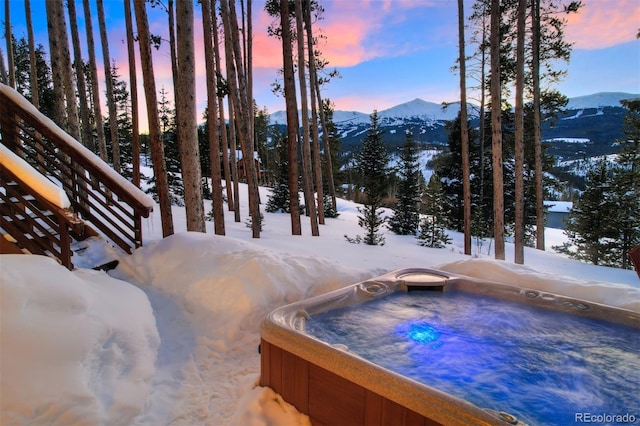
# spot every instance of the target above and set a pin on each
(171, 335)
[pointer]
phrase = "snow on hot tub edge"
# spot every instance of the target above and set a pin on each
(607, 293)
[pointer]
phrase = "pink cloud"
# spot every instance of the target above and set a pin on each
(350, 25)
(600, 24)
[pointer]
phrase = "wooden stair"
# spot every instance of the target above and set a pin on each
(99, 202)
(29, 223)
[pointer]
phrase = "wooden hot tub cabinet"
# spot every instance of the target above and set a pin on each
(327, 398)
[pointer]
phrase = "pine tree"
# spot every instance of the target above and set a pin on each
(372, 165)
(123, 119)
(626, 183)
(331, 147)
(591, 228)
(278, 201)
(406, 217)
(447, 166)
(166, 117)
(432, 227)
(603, 225)
(44, 83)
(330, 160)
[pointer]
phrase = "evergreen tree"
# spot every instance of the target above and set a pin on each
(205, 153)
(168, 136)
(406, 217)
(372, 165)
(260, 136)
(626, 184)
(123, 120)
(330, 160)
(278, 201)
(43, 71)
(447, 166)
(603, 225)
(591, 228)
(432, 227)
(167, 116)
(480, 229)
(333, 141)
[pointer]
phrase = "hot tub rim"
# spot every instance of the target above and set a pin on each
(442, 407)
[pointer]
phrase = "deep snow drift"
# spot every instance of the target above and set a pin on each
(171, 335)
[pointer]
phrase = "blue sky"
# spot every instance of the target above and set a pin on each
(391, 51)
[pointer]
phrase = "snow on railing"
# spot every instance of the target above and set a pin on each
(33, 178)
(97, 193)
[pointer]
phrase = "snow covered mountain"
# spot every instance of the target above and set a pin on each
(431, 111)
(415, 109)
(598, 100)
(588, 127)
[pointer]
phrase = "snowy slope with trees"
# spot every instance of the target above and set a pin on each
(171, 335)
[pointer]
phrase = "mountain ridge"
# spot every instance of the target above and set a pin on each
(432, 111)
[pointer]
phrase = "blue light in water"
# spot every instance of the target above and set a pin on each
(421, 332)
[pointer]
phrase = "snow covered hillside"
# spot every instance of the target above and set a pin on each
(589, 126)
(598, 100)
(170, 336)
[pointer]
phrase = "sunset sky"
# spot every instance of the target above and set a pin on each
(388, 51)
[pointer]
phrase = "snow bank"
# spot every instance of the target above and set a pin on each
(77, 347)
(265, 407)
(619, 295)
(210, 295)
(228, 283)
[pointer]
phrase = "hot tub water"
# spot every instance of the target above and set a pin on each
(543, 366)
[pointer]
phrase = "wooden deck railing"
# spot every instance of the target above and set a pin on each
(110, 203)
(36, 224)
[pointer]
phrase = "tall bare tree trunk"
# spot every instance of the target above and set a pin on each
(223, 130)
(249, 73)
(306, 145)
(33, 71)
(292, 118)
(133, 84)
(223, 127)
(233, 139)
(85, 120)
(483, 103)
(247, 113)
(157, 148)
(496, 133)
(95, 87)
(173, 55)
(537, 137)
(217, 206)
(73, 127)
(238, 93)
(111, 104)
(56, 64)
(464, 131)
(187, 127)
(519, 135)
(315, 137)
(9, 38)
(233, 149)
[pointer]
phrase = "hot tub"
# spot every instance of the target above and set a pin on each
(336, 380)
